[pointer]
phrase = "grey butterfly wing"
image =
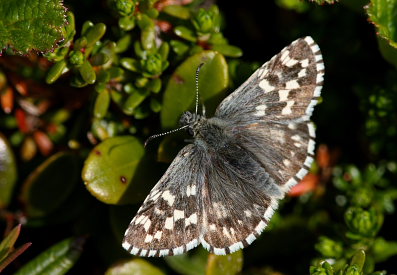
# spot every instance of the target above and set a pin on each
(239, 197)
(269, 113)
(167, 222)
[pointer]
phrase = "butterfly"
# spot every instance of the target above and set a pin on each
(222, 189)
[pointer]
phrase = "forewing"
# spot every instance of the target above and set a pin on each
(167, 222)
(285, 88)
(239, 197)
(269, 114)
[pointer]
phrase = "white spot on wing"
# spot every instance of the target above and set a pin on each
(302, 73)
(289, 62)
(147, 224)
(164, 252)
(219, 251)
(178, 214)
(312, 131)
(283, 94)
(310, 147)
(226, 232)
(152, 253)
(178, 250)
(317, 91)
(212, 227)
(259, 228)
(296, 137)
(309, 40)
(287, 109)
(302, 172)
(315, 48)
(236, 246)
(155, 196)
(291, 182)
(158, 235)
(168, 197)
(287, 162)
(320, 66)
(191, 220)
(260, 110)
(169, 223)
(284, 54)
(134, 250)
(191, 244)
(250, 238)
(320, 78)
(310, 108)
(304, 63)
(139, 219)
(263, 73)
(270, 210)
(193, 190)
(265, 85)
(292, 126)
(148, 238)
(143, 252)
(260, 113)
(308, 161)
(126, 245)
(247, 213)
(292, 84)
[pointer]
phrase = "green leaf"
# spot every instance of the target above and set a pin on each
(296, 5)
(180, 95)
(388, 52)
(27, 25)
(134, 100)
(50, 184)
(102, 104)
(87, 72)
(177, 11)
(7, 244)
(8, 172)
(95, 33)
(56, 71)
(384, 249)
(109, 171)
(13, 255)
(134, 266)
(228, 50)
(56, 260)
(228, 264)
(185, 33)
(358, 259)
(189, 264)
(383, 14)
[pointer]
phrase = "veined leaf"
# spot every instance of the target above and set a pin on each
(27, 25)
(383, 14)
(56, 260)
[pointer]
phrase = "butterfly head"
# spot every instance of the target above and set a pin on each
(190, 119)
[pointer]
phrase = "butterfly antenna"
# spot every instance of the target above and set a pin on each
(163, 134)
(197, 85)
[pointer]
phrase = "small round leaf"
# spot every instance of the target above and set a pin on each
(50, 184)
(180, 93)
(8, 172)
(109, 171)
